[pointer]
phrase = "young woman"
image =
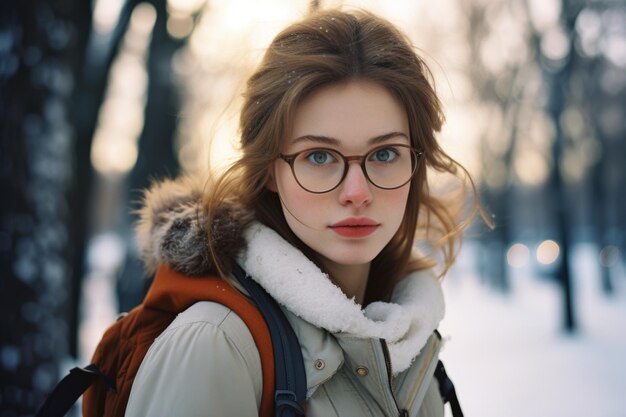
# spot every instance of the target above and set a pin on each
(323, 209)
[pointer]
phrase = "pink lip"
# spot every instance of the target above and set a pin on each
(355, 227)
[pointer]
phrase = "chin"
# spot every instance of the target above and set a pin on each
(354, 259)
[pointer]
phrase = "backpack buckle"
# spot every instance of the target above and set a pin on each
(284, 398)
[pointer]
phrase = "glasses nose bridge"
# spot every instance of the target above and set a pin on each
(358, 158)
(355, 158)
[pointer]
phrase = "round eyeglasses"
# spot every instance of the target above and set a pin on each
(320, 170)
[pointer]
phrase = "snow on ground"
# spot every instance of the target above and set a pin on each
(99, 306)
(507, 355)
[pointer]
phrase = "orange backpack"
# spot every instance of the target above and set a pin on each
(108, 380)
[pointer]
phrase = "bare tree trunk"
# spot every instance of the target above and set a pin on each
(558, 82)
(43, 43)
(157, 155)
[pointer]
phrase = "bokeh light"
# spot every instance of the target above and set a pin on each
(121, 116)
(518, 255)
(548, 252)
(555, 44)
(184, 7)
(105, 15)
(531, 166)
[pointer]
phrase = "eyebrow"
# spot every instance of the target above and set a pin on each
(327, 140)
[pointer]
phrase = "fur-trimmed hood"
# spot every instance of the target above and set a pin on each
(173, 229)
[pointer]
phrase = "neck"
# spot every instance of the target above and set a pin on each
(352, 279)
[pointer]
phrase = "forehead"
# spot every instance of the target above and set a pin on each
(351, 112)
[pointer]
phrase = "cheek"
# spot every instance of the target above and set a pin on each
(296, 202)
(396, 204)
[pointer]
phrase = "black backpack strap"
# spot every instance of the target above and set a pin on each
(447, 391)
(67, 391)
(290, 390)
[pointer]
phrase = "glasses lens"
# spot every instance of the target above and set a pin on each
(390, 166)
(318, 170)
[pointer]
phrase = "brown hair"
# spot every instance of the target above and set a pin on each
(329, 47)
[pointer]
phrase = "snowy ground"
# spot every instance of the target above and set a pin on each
(508, 357)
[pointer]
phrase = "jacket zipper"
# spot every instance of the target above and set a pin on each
(429, 366)
(401, 412)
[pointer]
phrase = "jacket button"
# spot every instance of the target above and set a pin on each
(319, 364)
(362, 371)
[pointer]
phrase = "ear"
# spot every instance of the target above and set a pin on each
(270, 180)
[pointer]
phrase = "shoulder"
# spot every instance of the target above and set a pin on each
(208, 326)
(207, 346)
(210, 318)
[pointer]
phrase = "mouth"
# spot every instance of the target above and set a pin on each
(355, 227)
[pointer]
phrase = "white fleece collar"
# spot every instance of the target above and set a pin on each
(298, 284)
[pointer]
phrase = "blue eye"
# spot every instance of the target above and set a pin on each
(385, 155)
(320, 157)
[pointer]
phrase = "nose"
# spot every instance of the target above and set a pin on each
(355, 188)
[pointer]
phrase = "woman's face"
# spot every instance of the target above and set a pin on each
(351, 224)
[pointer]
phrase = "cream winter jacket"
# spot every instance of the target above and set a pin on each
(377, 361)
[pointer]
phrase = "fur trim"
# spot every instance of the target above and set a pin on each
(301, 287)
(173, 228)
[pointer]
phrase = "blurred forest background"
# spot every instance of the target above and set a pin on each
(98, 98)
